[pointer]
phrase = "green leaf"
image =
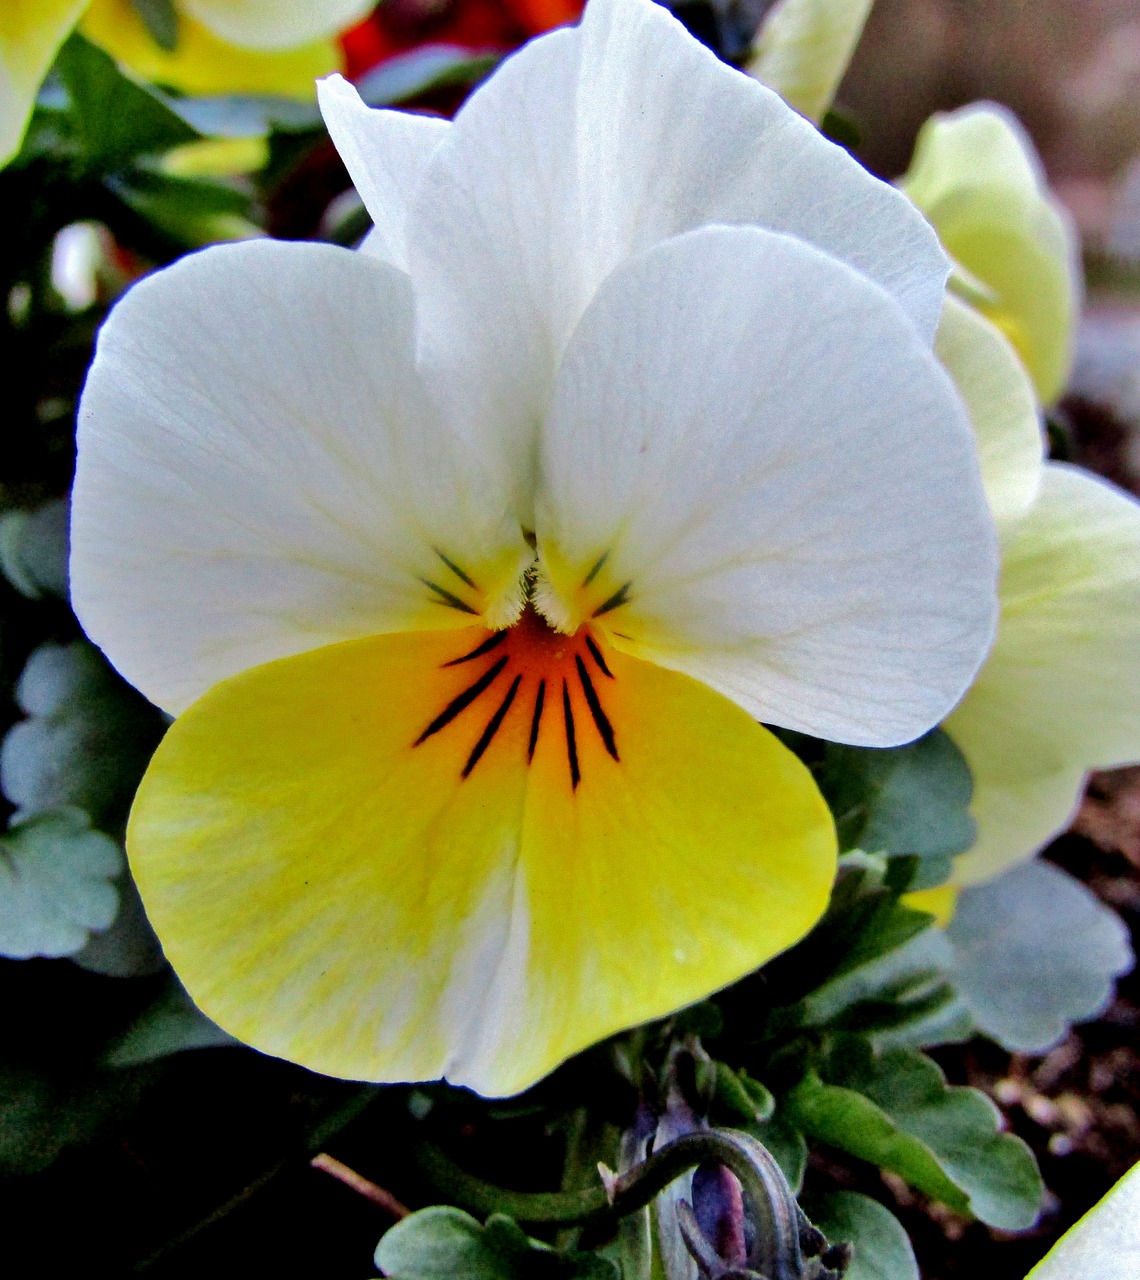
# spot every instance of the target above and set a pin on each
(56, 884)
(902, 800)
(895, 1110)
(172, 1024)
(443, 1243)
(114, 119)
(741, 1096)
(192, 212)
(86, 740)
(40, 1117)
(34, 550)
(882, 1248)
(1033, 952)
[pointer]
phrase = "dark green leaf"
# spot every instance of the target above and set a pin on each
(1033, 952)
(895, 1110)
(882, 1248)
(40, 1117)
(56, 884)
(743, 1097)
(172, 1024)
(903, 800)
(114, 119)
(190, 211)
(86, 740)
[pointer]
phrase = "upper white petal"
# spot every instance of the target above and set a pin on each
(595, 143)
(769, 454)
(385, 153)
(260, 472)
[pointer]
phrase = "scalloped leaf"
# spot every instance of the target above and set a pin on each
(1033, 952)
(56, 884)
(896, 1110)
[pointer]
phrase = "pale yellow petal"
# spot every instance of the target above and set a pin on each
(342, 879)
(1104, 1244)
(204, 63)
(1000, 401)
(31, 32)
(977, 178)
(1060, 692)
(803, 47)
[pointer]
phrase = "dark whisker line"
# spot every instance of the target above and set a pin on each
(465, 699)
(445, 597)
(596, 654)
(571, 744)
(536, 720)
(492, 727)
(455, 568)
(600, 718)
(492, 643)
(596, 569)
(619, 597)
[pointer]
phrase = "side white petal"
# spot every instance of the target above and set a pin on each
(1060, 693)
(595, 143)
(756, 472)
(1002, 406)
(385, 153)
(259, 472)
(275, 24)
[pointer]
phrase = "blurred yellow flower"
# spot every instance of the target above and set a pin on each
(274, 47)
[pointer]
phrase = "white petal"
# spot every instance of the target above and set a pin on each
(259, 472)
(782, 482)
(1002, 407)
(595, 143)
(275, 24)
(1060, 694)
(385, 153)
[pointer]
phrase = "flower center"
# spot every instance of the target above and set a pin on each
(529, 669)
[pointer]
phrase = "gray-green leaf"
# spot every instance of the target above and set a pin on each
(882, 1248)
(1033, 952)
(86, 740)
(34, 550)
(56, 884)
(903, 800)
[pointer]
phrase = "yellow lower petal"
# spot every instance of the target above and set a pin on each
(202, 63)
(347, 874)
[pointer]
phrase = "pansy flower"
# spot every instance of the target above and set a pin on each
(470, 561)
